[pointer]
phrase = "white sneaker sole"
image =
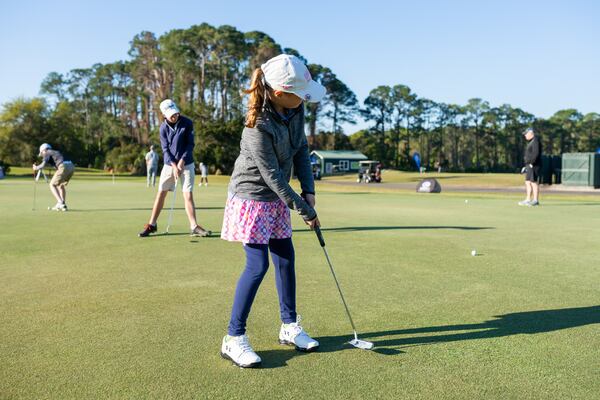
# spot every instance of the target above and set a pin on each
(304, 350)
(252, 365)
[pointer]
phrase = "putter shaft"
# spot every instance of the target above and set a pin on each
(337, 284)
(172, 206)
(35, 179)
(356, 342)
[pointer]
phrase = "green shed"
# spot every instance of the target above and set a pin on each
(337, 161)
(581, 169)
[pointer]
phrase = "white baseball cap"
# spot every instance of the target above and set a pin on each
(44, 146)
(168, 108)
(289, 74)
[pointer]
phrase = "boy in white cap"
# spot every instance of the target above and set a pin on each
(260, 198)
(177, 142)
(62, 176)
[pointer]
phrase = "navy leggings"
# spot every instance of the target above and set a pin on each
(257, 263)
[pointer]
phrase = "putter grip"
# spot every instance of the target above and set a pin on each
(320, 236)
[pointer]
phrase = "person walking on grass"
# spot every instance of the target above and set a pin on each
(533, 162)
(177, 142)
(203, 174)
(260, 196)
(151, 166)
(62, 176)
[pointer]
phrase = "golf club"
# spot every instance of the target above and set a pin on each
(356, 342)
(35, 179)
(172, 205)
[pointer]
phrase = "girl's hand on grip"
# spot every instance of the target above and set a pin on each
(313, 222)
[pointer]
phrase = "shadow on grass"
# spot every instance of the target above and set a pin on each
(217, 234)
(574, 204)
(435, 176)
(140, 209)
(386, 228)
(348, 193)
(520, 323)
(195, 239)
(160, 234)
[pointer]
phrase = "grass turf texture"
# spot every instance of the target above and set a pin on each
(389, 176)
(89, 310)
(445, 178)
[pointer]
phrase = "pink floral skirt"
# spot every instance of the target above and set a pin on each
(252, 221)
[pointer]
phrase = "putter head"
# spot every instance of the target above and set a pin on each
(361, 344)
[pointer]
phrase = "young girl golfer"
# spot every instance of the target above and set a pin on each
(257, 211)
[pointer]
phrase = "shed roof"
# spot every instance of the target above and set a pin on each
(347, 154)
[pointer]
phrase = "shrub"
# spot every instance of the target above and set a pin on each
(127, 158)
(5, 166)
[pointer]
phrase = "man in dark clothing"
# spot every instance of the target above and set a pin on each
(533, 162)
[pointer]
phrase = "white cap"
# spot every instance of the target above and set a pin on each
(168, 108)
(289, 74)
(44, 146)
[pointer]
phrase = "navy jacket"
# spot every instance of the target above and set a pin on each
(177, 142)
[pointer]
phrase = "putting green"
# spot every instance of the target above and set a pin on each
(89, 310)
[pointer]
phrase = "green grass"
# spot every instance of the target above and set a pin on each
(494, 180)
(87, 173)
(390, 176)
(88, 310)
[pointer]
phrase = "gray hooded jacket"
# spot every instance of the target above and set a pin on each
(268, 151)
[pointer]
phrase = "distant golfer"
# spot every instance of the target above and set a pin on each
(62, 176)
(203, 174)
(533, 161)
(260, 196)
(177, 142)
(151, 166)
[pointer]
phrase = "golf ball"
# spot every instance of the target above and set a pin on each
(466, 201)
(48, 208)
(473, 253)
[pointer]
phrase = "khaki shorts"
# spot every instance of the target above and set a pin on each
(63, 174)
(167, 182)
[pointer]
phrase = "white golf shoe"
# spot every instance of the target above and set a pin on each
(238, 350)
(293, 334)
(524, 203)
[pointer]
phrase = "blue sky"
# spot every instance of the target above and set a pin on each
(541, 56)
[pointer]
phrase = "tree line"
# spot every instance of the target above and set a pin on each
(472, 137)
(105, 116)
